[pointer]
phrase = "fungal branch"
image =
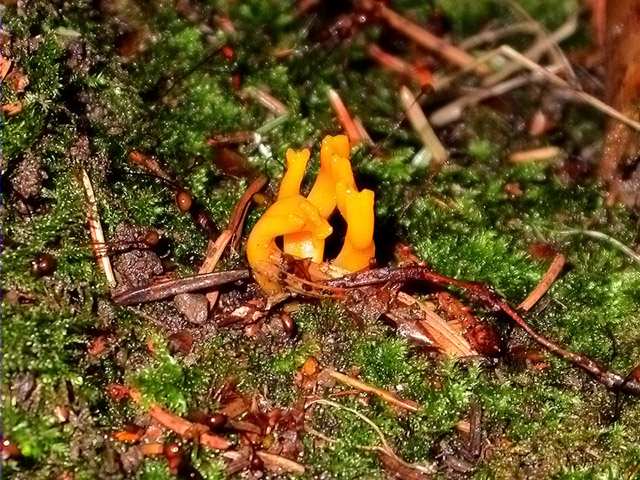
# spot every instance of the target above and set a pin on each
(302, 222)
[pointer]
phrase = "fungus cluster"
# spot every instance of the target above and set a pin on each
(302, 222)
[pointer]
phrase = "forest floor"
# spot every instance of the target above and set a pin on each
(94, 389)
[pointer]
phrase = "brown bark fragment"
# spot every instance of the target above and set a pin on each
(620, 164)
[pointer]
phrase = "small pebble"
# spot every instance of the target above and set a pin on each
(194, 306)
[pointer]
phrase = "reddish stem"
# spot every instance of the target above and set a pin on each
(494, 302)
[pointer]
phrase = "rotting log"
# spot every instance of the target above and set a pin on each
(620, 164)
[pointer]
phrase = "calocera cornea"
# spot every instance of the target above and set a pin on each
(288, 215)
(303, 222)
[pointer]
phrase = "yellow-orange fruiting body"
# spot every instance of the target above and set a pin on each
(299, 244)
(358, 249)
(334, 154)
(288, 215)
(302, 222)
(334, 167)
(296, 167)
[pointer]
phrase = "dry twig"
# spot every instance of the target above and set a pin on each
(559, 82)
(363, 387)
(490, 36)
(493, 302)
(454, 55)
(535, 52)
(344, 117)
(171, 288)
(422, 127)
(545, 283)
(452, 111)
(395, 64)
(95, 230)
(535, 154)
(267, 100)
(242, 207)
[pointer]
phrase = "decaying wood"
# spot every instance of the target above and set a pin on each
(495, 303)
(481, 335)
(619, 167)
(443, 335)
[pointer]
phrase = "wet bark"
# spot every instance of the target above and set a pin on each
(620, 164)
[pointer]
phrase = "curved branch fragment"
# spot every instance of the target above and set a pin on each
(485, 296)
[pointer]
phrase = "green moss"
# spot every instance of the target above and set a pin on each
(467, 16)
(38, 438)
(153, 469)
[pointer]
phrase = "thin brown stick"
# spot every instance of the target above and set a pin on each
(278, 462)
(362, 131)
(344, 117)
(95, 230)
(493, 302)
(181, 426)
(535, 154)
(422, 127)
(231, 138)
(453, 110)
(545, 283)
(421, 77)
(364, 387)
(267, 100)
(241, 209)
(490, 36)
(150, 164)
(433, 43)
(535, 52)
(171, 288)
(215, 249)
